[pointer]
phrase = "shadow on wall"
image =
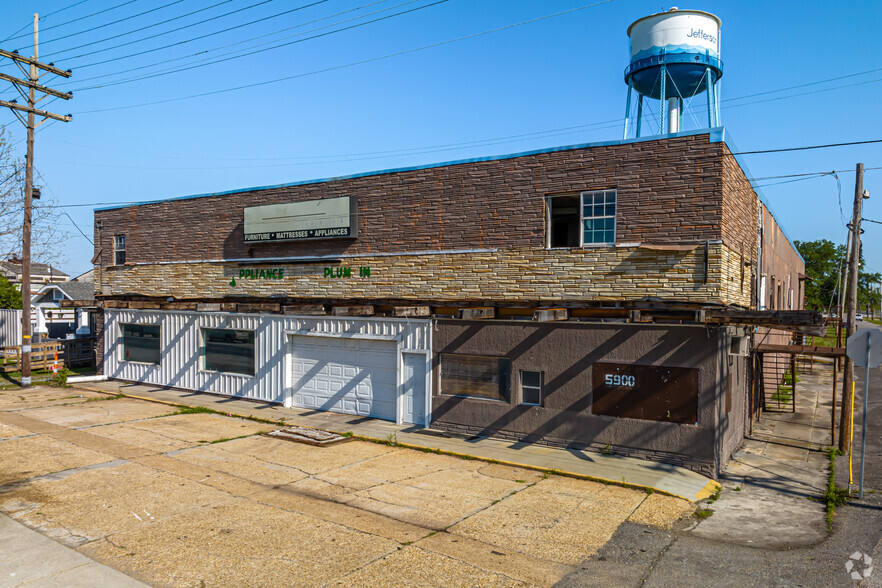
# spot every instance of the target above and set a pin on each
(573, 419)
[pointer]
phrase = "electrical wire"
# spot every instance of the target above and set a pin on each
(61, 24)
(871, 221)
(348, 65)
(340, 30)
(84, 31)
(203, 52)
(44, 17)
(808, 147)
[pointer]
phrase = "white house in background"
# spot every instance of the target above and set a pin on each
(41, 274)
(47, 310)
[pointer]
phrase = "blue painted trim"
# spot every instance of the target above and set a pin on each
(716, 135)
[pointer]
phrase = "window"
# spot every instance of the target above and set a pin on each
(226, 350)
(585, 219)
(474, 375)
(141, 343)
(531, 388)
(57, 295)
(119, 249)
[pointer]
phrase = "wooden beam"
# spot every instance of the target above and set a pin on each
(215, 306)
(550, 314)
(261, 307)
(77, 303)
(144, 305)
(36, 111)
(801, 349)
(307, 309)
(483, 312)
(173, 305)
(411, 311)
(15, 56)
(364, 310)
(37, 87)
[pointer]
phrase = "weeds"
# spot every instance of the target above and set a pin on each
(833, 496)
(59, 378)
(392, 439)
(346, 434)
(103, 398)
(703, 513)
(607, 449)
(195, 410)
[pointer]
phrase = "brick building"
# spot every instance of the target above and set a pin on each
(582, 296)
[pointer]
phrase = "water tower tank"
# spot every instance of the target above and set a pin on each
(675, 55)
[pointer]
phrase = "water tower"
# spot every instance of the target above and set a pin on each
(675, 56)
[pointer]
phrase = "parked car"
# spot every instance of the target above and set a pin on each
(858, 317)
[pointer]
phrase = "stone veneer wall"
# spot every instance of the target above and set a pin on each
(517, 274)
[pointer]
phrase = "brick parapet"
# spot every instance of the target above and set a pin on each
(669, 191)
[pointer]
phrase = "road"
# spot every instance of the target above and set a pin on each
(640, 557)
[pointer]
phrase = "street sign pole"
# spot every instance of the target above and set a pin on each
(864, 348)
(864, 426)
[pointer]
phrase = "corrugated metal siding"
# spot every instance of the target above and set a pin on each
(10, 327)
(180, 362)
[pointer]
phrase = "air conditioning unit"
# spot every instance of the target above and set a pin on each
(740, 346)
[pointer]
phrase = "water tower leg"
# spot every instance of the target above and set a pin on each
(710, 97)
(627, 110)
(717, 100)
(673, 107)
(639, 113)
(680, 105)
(662, 97)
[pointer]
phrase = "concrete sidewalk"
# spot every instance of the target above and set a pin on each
(669, 479)
(28, 559)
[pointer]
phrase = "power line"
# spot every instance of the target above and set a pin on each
(198, 53)
(348, 65)
(871, 221)
(144, 28)
(340, 30)
(191, 25)
(44, 17)
(807, 147)
(61, 24)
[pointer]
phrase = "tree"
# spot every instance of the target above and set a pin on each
(823, 262)
(10, 296)
(47, 235)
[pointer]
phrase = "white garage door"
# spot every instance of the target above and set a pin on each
(352, 376)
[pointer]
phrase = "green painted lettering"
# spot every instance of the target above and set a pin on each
(327, 272)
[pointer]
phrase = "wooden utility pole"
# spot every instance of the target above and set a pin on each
(852, 285)
(33, 86)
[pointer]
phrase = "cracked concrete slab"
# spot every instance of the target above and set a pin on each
(18, 399)
(28, 457)
(97, 502)
(171, 433)
(412, 566)
(557, 519)
(661, 511)
(216, 457)
(238, 542)
(99, 412)
(10, 431)
(307, 458)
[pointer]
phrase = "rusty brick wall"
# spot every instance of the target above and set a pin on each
(514, 274)
(669, 190)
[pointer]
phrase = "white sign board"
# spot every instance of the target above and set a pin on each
(856, 347)
(327, 218)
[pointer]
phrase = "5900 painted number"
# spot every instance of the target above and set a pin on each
(619, 380)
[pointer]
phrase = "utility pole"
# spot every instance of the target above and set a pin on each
(33, 86)
(852, 285)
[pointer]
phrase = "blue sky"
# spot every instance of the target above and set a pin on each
(552, 82)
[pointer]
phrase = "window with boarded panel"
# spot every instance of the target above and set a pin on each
(647, 392)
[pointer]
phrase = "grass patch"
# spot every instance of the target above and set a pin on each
(195, 410)
(346, 434)
(783, 394)
(703, 513)
(715, 496)
(833, 496)
(102, 399)
(225, 439)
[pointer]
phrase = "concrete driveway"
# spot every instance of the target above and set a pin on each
(203, 499)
